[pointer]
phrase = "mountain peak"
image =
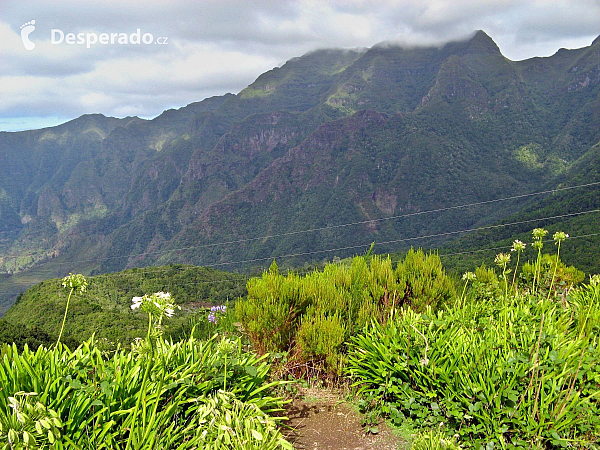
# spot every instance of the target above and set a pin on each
(481, 42)
(596, 41)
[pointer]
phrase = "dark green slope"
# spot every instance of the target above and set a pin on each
(579, 207)
(477, 135)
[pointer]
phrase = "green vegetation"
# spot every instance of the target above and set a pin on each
(104, 308)
(389, 131)
(433, 440)
(314, 316)
(316, 155)
(186, 395)
(501, 367)
(189, 394)
(507, 357)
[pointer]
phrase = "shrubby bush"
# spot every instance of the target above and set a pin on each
(314, 316)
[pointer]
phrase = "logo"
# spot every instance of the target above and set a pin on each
(90, 39)
(26, 30)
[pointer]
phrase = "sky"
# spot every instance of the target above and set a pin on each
(200, 48)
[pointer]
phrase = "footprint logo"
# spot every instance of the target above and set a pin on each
(26, 30)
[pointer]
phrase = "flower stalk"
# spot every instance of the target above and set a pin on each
(74, 282)
(558, 237)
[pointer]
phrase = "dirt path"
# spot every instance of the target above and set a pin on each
(321, 421)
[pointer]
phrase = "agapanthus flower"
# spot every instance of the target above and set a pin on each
(502, 259)
(539, 233)
(469, 276)
(215, 311)
(136, 302)
(518, 246)
(560, 236)
(163, 295)
(75, 282)
(158, 304)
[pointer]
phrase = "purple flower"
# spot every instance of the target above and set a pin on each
(215, 311)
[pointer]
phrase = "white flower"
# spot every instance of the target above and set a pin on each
(518, 246)
(169, 312)
(137, 302)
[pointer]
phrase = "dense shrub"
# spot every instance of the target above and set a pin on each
(566, 276)
(33, 337)
(315, 315)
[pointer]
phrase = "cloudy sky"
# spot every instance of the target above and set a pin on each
(218, 46)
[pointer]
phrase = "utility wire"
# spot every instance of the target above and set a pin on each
(344, 225)
(239, 280)
(291, 255)
(352, 247)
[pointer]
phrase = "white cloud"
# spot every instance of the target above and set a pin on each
(219, 46)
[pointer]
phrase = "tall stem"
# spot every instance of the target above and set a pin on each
(535, 273)
(225, 377)
(64, 318)
(505, 282)
(462, 297)
(149, 327)
(554, 273)
(515, 274)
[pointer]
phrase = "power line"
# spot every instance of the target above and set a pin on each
(344, 225)
(352, 247)
(504, 247)
(405, 239)
(239, 280)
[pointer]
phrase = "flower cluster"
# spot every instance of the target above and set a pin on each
(538, 238)
(502, 259)
(469, 276)
(560, 236)
(77, 282)
(518, 246)
(215, 311)
(158, 304)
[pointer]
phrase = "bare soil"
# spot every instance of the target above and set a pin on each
(320, 420)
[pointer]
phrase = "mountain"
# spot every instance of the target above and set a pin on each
(330, 138)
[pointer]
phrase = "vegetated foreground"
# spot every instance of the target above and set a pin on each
(507, 358)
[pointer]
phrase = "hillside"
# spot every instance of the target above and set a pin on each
(579, 215)
(333, 137)
(104, 309)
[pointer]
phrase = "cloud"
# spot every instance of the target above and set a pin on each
(220, 46)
